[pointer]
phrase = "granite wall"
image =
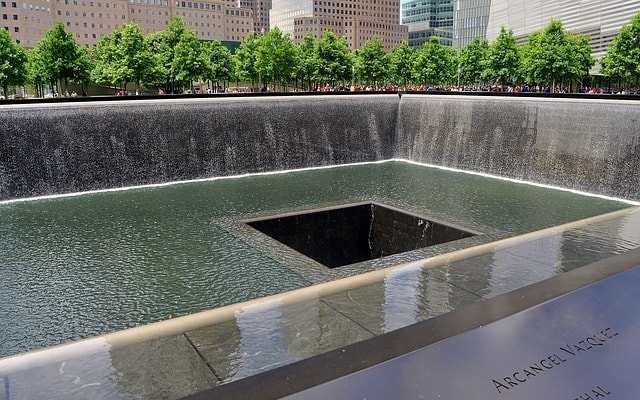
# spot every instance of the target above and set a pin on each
(590, 144)
(587, 144)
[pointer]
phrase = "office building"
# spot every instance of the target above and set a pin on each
(89, 20)
(357, 20)
(600, 19)
(470, 21)
(426, 18)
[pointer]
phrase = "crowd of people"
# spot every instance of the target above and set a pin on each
(467, 88)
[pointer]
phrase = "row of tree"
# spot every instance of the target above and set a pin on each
(174, 58)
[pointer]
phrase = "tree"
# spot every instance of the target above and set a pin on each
(276, 57)
(307, 59)
(470, 61)
(221, 67)
(334, 63)
(83, 67)
(371, 61)
(190, 61)
(36, 71)
(122, 57)
(63, 59)
(554, 55)
(162, 45)
(13, 62)
(582, 58)
(435, 64)
(503, 58)
(245, 57)
(623, 56)
(401, 61)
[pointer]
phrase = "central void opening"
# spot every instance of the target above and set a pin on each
(341, 236)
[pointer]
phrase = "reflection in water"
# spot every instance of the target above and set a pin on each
(402, 294)
(628, 234)
(262, 341)
(37, 376)
(81, 266)
(523, 263)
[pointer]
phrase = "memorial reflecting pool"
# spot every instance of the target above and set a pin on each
(80, 266)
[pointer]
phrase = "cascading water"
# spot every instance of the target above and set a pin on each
(153, 253)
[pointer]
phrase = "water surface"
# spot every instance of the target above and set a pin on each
(79, 266)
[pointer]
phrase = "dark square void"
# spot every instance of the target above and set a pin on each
(341, 236)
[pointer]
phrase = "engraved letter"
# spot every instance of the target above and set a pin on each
(582, 342)
(575, 346)
(568, 350)
(515, 375)
(592, 341)
(499, 385)
(545, 364)
(536, 367)
(510, 382)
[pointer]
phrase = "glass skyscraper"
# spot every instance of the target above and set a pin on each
(426, 18)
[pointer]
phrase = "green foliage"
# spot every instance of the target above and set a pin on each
(36, 70)
(371, 62)
(62, 58)
(554, 55)
(190, 61)
(503, 58)
(435, 64)
(623, 56)
(333, 59)
(401, 62)
(122, 57)
(275, 57)
(13, 62)
(307, 60)
(246, 58)
(221, 67)
(471, 61)
(162, 45)
(175, 56)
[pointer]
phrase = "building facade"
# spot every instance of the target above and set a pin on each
(89, 20)
(426, 18)
(470, 21)
(260, 9)
(357, 20)
(599, 19)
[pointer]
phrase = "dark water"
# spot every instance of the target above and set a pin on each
(80, 266)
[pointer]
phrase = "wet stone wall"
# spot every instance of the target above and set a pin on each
(69, 147)
(590, 144)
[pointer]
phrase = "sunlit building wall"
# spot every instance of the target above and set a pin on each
(600, 19)
(89, 20)
(470, 21)
(357, 20)
(426, 18)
